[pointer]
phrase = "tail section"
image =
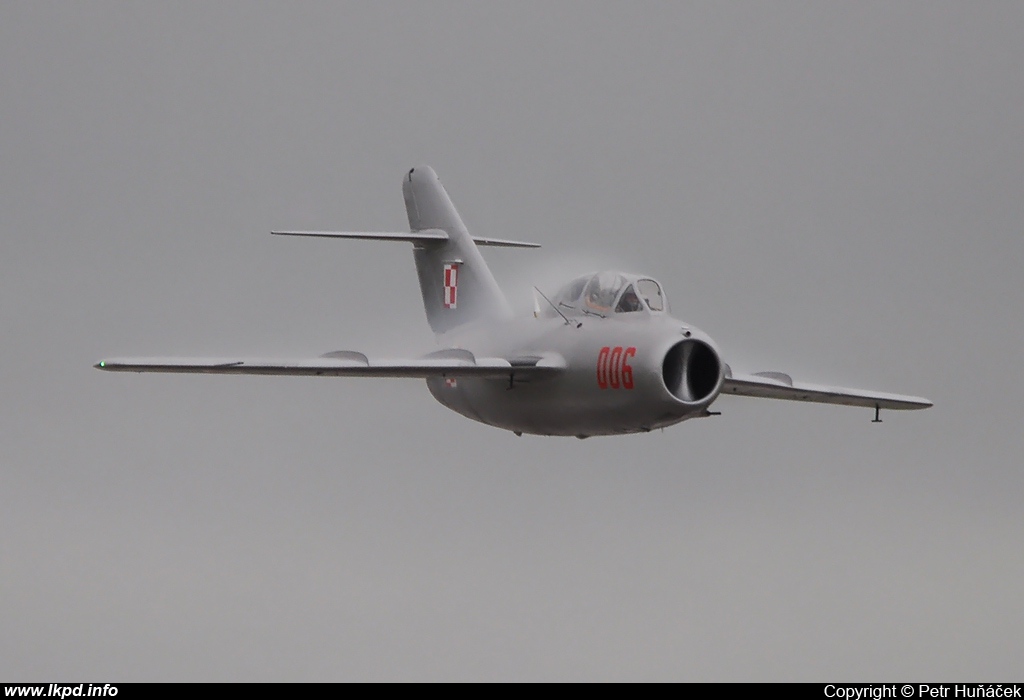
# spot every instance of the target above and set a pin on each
(456, 284)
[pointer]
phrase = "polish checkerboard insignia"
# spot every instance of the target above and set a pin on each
(451, 285)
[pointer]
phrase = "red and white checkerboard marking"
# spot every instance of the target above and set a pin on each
(451, 284)
(450, 382)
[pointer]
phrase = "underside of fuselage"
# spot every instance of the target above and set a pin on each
(545, 408)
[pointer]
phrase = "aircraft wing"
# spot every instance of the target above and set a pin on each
(776, 385)
(347, 363)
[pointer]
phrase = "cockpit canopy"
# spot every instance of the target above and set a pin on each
(606, 293)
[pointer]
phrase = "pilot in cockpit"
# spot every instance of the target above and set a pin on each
(603, 292)
(629, 301)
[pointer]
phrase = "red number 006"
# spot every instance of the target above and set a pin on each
(613, 370)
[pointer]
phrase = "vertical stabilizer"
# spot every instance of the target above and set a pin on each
(456, 283)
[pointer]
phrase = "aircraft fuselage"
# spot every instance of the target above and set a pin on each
(623, 374)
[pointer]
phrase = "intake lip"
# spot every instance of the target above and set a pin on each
(692, 372)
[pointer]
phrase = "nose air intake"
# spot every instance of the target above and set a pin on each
(691, 371)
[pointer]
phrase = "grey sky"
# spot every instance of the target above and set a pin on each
(830, 189)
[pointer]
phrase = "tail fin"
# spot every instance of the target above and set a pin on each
(456, 284)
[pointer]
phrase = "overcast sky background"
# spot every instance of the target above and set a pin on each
(829, 189)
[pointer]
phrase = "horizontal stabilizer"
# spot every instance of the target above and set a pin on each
(776, 385)
(430, 235)
(343, 363)
(426, 236)
(501, 243)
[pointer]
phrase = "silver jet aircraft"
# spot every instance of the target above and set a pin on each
(604, 356)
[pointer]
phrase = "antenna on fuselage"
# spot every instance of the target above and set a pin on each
(557, 310)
